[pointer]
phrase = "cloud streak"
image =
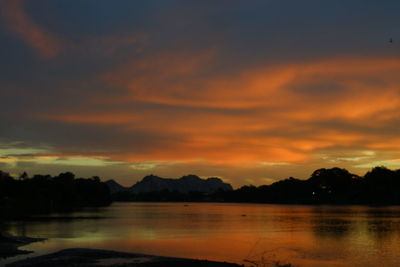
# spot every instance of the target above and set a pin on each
(45, 43)
(48, 44)
(265, 114)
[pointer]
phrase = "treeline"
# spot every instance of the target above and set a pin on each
(44, 193)
(380, 186)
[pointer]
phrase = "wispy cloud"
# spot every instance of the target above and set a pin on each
(45, 43)
(48, 44)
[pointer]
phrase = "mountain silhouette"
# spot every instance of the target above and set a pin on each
(115, 187)
(185, 184)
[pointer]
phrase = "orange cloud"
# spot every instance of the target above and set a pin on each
(184, 80)
(284, 113)
(47, 44)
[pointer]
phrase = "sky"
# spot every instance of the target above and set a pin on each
(249, 91)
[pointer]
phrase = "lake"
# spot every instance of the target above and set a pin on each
(242, 233)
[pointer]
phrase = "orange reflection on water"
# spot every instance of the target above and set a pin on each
(301, 235)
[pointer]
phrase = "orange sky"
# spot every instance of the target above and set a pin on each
(123, 96)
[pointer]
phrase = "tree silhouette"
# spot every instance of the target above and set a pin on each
(44, 193)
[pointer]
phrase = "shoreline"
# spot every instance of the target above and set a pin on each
(9, 247)
(9, 244)
(98, 257)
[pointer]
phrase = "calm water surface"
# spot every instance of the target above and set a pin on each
(301, 235)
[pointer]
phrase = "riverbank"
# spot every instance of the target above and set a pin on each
(96, 257)
(9, 244)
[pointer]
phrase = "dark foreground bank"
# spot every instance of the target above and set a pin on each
(95, 257)
(9, 244)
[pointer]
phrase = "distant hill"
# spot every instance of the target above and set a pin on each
(115, 187)
(185, 184)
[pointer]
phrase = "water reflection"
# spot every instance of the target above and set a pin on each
(332, 228)
(302, 235)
